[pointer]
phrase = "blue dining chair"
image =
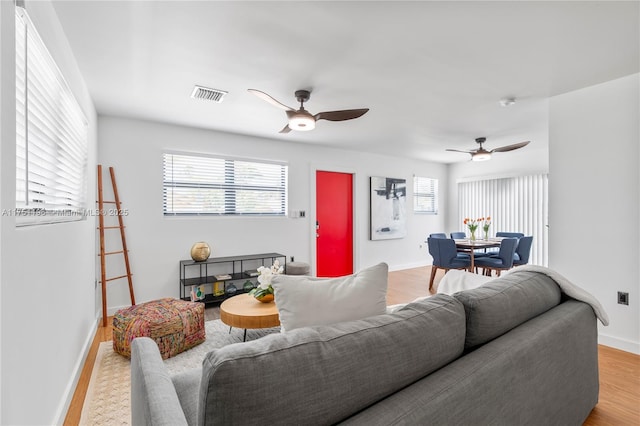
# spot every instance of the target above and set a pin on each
(523, 251)
(510, 234)
(445, 256)
(441, 235)
(502, 262)
(458, 235)
(517, 235)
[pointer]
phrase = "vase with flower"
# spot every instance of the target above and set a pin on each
(485, 226)
(472, 224)
(264, 291)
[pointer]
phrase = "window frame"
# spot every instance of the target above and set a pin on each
(230, 188)
(433, 184)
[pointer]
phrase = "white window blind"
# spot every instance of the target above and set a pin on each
(208, 185)
(51, 135)
(425, 195)
(516, 204)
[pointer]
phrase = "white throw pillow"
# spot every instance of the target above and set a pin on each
(304, 301)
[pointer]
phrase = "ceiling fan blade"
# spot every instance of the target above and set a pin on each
(285, 129)
(346, 114)
(269, 99)
(458, 150)
(510, 147)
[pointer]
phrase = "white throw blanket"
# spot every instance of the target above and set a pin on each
(457, 280)
(567, 288)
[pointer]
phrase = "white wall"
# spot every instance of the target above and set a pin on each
(7, 130)
(157, 243)
(47, 273)
(595, 199)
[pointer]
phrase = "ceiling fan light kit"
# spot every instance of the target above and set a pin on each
(481, 154)
(303, 120)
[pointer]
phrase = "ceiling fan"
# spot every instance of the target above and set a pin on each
(302, 119)
(482, 154)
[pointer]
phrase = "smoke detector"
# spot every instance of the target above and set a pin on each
(208, 94)
(505, 102)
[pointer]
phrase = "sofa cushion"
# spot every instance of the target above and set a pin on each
(324, 374)
(543, 372)
(303, 301)
(154, 400)
(395, 308)
(504, 303)
(187, 385)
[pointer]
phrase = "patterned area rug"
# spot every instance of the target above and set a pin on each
(108, 396)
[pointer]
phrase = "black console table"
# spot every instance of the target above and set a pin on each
(219, 278)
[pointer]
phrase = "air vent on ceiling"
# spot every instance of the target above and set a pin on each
(208, 94)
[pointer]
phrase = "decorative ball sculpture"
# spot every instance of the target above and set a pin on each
(200, 251)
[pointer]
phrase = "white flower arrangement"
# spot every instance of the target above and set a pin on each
(265, 278)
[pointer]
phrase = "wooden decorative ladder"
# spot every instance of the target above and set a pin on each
(117, 211)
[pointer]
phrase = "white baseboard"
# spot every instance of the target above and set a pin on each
(408, 266)
(61, 413)
(617, 343)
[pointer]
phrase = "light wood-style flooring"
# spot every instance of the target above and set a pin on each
(619, 371)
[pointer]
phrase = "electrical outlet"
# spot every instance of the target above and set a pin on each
(302, 213)
(623, 298)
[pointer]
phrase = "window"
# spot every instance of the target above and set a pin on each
(425, 195)
(515, 204)
(208, 185)
(51, 135)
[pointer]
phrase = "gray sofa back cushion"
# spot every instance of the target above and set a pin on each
(543, 372)
(504, 303)
(321, 375)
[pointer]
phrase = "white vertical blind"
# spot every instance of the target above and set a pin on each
(425, 195)
(515, 204)
(51, 135)
(207, 185)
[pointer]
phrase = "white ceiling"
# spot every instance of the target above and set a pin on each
(431, 73)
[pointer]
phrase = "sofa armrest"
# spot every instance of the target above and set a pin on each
(154, 400)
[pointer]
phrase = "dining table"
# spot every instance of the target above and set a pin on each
(469, 246)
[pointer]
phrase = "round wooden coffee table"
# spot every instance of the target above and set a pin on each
(244, 311)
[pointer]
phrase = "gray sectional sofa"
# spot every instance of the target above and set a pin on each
(515, 351)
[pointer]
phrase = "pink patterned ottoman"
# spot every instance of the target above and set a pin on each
(174, 324)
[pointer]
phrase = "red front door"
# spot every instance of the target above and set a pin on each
(334, 220)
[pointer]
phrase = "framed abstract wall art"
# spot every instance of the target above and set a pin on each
(388, 208)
